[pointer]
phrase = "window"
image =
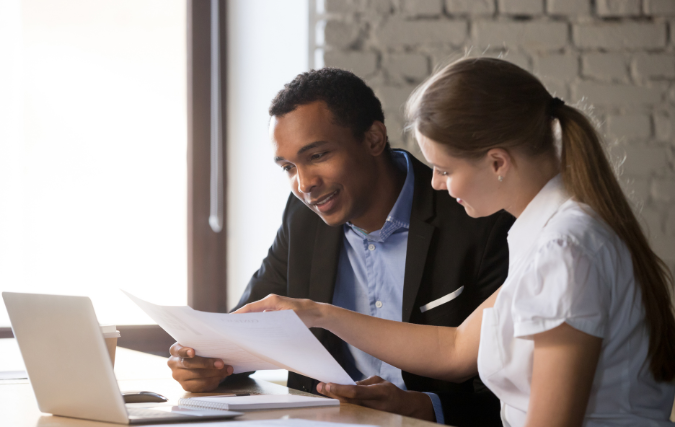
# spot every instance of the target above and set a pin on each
(93, 140)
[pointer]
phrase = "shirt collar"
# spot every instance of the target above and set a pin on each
(535, 216)
(399, 216)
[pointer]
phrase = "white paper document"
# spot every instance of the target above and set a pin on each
(250, 341)
(286, 422)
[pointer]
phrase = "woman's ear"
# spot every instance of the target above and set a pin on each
(500, 162)
(376, 138)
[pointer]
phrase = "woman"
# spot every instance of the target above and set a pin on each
(582, 331)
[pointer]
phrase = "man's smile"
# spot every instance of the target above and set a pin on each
(325, 203)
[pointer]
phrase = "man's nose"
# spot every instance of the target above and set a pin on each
(306, 181)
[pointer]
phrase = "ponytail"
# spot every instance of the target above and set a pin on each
(588, 176)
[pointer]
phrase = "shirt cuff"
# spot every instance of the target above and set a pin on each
(438, 408)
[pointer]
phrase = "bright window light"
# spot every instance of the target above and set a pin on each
(93, 140)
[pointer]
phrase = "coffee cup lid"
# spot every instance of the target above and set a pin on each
(110, 331)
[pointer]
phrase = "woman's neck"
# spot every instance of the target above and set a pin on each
(529, 176)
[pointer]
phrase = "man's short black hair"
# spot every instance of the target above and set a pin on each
(353, 104)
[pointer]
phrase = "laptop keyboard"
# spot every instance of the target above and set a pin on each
(137, 413)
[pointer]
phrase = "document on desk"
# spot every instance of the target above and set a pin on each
(250, 341)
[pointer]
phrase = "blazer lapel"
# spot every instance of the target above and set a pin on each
(326, 254)
(419, 237)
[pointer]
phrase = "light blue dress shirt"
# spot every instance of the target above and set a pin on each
(370, 276)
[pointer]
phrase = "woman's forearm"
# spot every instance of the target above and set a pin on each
(432, 351)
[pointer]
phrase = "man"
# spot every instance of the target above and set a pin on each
(364, 230)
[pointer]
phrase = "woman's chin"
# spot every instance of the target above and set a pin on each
(473, 213)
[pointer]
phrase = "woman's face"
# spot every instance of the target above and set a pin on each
(472, 182)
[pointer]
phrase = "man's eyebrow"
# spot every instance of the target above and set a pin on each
(312, 145)
(303, 149)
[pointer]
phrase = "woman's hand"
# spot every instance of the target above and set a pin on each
(310, 312)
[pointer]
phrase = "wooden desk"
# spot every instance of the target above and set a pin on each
(140, 371)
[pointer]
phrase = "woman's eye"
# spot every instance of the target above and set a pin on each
(286, 168)
(317, 156)
(442, 173)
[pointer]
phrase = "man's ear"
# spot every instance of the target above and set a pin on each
(376, 138)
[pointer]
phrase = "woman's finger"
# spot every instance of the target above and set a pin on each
(269, 303)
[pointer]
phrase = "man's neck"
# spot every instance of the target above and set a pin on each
(384, 195)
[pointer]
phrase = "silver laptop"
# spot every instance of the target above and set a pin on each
(69, 367)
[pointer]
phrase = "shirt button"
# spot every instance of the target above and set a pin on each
(371, 247)
(378, 304)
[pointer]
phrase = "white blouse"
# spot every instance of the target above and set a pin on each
(567, 265)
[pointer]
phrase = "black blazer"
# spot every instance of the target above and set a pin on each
(447, 249)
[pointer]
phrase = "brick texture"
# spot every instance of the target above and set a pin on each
(533, 36)
(471, 7)
(398, 32)
(654, 65)
(620, 35)
(631, 126)
(521, 7)
(659, 7)
(613, 8)
(423, 7)
(605, 66)
(616, 58)
(569, 7)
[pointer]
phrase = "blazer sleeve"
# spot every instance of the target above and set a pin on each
(271, 276)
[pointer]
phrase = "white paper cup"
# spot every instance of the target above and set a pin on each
(110, 335)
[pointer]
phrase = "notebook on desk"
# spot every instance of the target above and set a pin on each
(69, 366)
(263, 401)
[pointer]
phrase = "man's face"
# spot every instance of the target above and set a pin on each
(328, 168)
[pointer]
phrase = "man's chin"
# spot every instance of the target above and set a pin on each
(333, 220)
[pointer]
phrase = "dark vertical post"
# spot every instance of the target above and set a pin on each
(207, 255)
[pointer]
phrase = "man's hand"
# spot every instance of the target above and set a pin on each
(382, 395)
(196, 374)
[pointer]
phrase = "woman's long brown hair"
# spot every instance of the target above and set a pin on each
(476, 104)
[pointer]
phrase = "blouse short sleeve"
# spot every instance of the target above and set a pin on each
(563, 283)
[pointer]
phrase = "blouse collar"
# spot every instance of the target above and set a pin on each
(535, 216)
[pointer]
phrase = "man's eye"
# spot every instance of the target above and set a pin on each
(287, 168)
(317, 156)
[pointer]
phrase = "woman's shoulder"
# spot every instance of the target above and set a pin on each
(577, 226)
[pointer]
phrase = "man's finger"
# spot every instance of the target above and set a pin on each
(180, 351)
(321, 388)
(352, 392)
(371, 380)
(173, 350)
(184, 376)
(203, 363)
(201, 385)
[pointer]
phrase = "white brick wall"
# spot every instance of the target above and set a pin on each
(613, 8)
(615, 56)
(521, 7)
